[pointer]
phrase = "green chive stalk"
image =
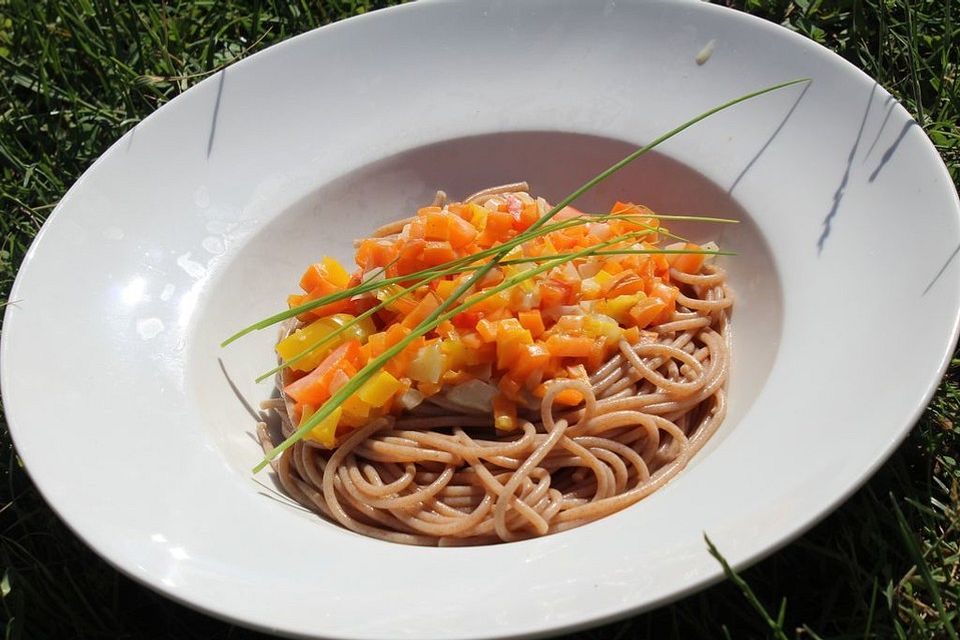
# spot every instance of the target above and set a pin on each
(441, 313)
(346, 326)
(438, 271)
(431, 272)
(429, 323)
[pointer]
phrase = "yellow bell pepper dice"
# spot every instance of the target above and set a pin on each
(355, 411)
(305, 339)
(335, 272)
(619, 307)
(505, 413)
(360, 330)
(478, 217)
(598, 327)
(458, 354)
(324, 433)
(445, 288)
(319, 331)
(379, 389)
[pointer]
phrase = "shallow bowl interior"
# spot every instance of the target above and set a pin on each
(328, 218)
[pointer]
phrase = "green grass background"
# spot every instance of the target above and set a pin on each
(75, 75)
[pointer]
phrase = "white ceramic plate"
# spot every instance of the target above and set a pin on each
(198, 221)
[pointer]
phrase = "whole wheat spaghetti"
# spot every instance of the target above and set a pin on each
(535, 414)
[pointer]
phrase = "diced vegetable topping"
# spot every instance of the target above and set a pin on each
(507, 343)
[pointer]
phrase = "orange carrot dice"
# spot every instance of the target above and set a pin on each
(437, 252)
(498, 224)
(325, 288)
(314, 388)
(424, 308)
(530, 358)
(436, 224)
(565, 346)
(487, 330)
(644, 312)
(532, 321)
(689, 262)
(460, 232)
(569, 397)
(311, 277)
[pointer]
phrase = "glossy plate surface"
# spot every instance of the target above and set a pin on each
(199, 220)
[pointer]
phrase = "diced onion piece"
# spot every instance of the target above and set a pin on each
(339, 379)
(473, 395)
(373, 275)
(709, 246)
(493, 203)
(429, 364)
(589, 269)
(410, 399)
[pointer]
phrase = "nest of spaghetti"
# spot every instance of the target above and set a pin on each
(576, 389)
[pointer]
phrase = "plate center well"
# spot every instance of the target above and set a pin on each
(255, 281)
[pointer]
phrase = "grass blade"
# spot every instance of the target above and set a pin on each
(776, 626)
(914, 549)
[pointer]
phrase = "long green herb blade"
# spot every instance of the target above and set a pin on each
(527, 260)
(370, 286)
(344, 327)
(377, 363)
(434, 271)
(429, 275)
(663, 138)
(432, 320)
